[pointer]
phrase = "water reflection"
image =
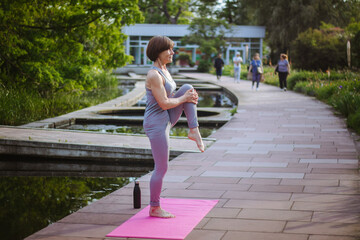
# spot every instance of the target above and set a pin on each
(136, 129)
(206, 99)
(214, 99)
(28, 204)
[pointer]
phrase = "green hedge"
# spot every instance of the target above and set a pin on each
(342, 92)
(228, 70)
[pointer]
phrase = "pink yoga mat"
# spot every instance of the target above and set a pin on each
(188, 212)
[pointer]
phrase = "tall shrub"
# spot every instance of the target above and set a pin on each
(353, 31)
(319, 49)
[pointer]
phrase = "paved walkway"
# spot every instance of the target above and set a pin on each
(284, 168)
(89, 138)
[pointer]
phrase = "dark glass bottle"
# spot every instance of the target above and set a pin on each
(137, 195)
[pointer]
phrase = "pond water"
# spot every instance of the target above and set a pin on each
(206, 99)
(180, 131)
(28, 204)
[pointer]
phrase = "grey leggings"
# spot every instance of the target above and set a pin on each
(160, 143)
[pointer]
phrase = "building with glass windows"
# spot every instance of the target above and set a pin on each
(244, 39)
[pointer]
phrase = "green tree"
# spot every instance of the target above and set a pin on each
(286, 19)
(238, 12)
(61, 44)
(321, 48)
(166, 11)
(207, 32)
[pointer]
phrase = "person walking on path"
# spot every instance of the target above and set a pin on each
(163, 109)
(283, 68)
(218, 64)
(256, 69)
(237, 67)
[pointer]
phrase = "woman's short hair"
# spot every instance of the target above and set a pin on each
(283, 56)
(156, 45)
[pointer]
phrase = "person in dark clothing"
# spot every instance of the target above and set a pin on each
(218, 64)
(283, 68)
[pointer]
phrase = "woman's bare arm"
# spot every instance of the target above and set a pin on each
(156, 83)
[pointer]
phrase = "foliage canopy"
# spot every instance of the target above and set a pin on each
(320, 49)
(61, 44)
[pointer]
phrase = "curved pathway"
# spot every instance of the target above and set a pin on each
(284, 168)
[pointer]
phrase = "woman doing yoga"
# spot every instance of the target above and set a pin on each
(164, 107)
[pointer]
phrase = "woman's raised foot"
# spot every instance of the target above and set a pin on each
(194, 135)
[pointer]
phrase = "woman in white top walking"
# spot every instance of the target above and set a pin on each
(237, 67)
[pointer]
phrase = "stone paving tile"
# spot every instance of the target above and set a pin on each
(220, 186)
(335, 170)
(277, 158)
(256, 195)
(332, 190)
(336, 165)
(346, 183)
(251, 164)
(334, 228)
(126, 209)
(329, 237)
(214, 194)
(183, 167)
(95, 218)
(278, 215)
(260, 181)
(332, 176)
(244, 225)
(231, 169)
(346, 206)
(167, 178)
(221, 203)
(258, 204)
(278, 175)
(182, 173)
(311, 182)
(76, 230)
(351, 161)
(223, 213)
(233, 158)
(235, 235)
(308, 197)
(344, 217)
(337, 155)
(277, 188)
(227, 174)
(248, 152)
(292, 155)
(205, 235)
(203, 179)
(297, 165)
(280, 170)
(202, 223)
(316, 160)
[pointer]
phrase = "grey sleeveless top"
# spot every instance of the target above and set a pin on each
(154, 115)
